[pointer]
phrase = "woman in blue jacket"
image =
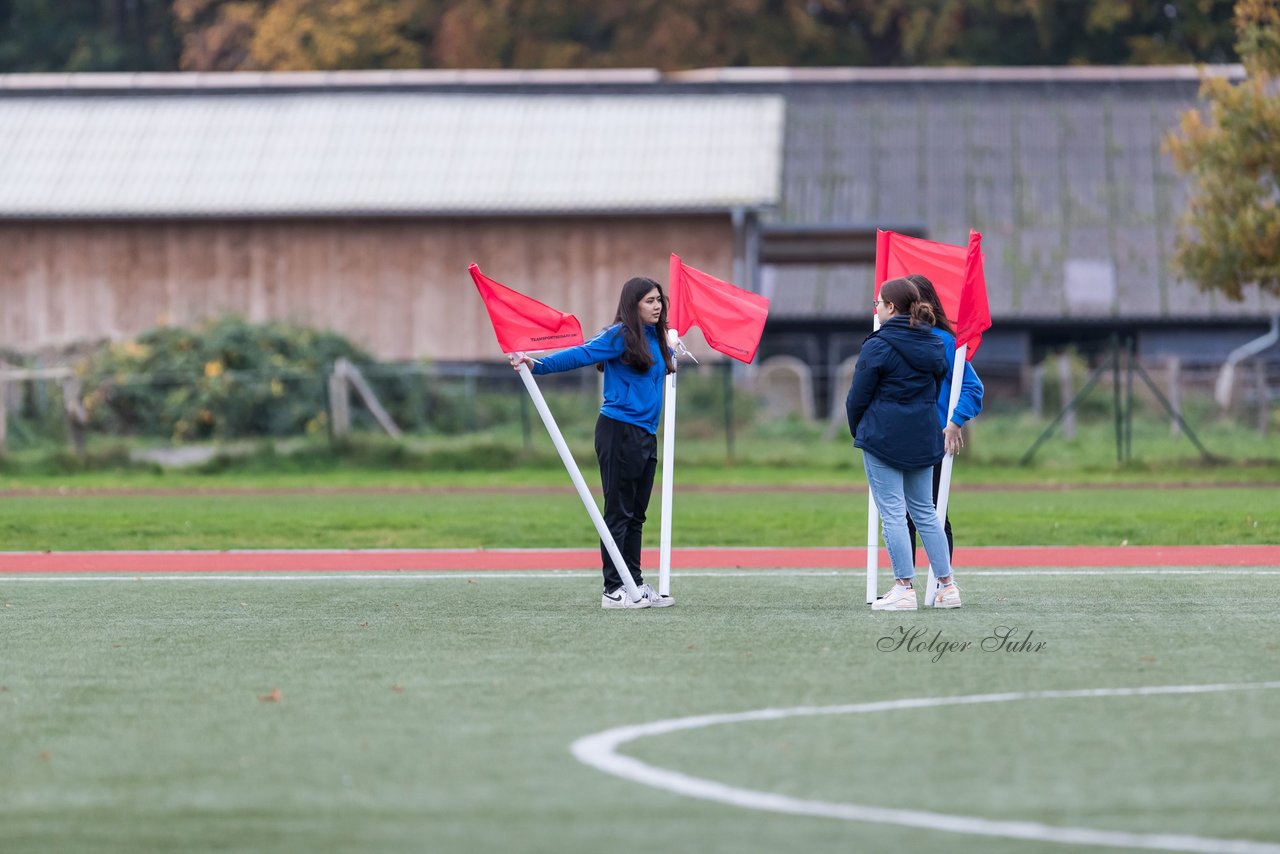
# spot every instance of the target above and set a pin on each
(634, 356)
(892, 409)
(968, 406)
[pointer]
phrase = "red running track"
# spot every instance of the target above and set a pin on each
(475, 560)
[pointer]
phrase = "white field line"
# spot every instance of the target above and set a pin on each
(567, 575)
(600, 751)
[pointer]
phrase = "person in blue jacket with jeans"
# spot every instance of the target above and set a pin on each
(967, 407)
(635, 358)
(892, 410)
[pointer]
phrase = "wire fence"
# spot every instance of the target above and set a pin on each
(51, 405)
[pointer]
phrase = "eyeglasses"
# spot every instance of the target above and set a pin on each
(878, 303)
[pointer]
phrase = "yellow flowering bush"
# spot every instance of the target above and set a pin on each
(224, 378)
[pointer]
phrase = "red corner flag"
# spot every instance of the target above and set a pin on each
(956, 273)
(731, 319)
(974, 316)
(521, 322)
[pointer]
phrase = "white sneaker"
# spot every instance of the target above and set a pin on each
(948, 596)
(898, 598)
(656, 599)
(619, 599)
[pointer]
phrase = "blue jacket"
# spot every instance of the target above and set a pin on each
(970, 402)
(631, 396)
(893, 401)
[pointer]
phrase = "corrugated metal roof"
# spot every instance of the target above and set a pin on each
(386, 154)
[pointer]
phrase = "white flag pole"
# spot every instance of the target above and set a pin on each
(873, 546)
(576, 476)
(944, 482)
(668, 467)
(873, 524)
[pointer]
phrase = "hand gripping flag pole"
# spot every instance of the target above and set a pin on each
(958, 277)
(522, 323)
(668, 460)
(732, 322)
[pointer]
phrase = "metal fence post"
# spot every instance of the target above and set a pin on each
(339, 401)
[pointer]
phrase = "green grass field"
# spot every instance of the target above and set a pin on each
(785, 485)
(436, 714)
(553, 518)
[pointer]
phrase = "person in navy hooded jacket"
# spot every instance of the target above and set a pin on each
(635, 359)
(892, 410)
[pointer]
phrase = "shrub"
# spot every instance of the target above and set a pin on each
(225, 378)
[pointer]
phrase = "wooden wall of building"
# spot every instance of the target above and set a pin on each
(398, 288)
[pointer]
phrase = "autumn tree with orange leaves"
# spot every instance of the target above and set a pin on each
(265, 35)
(680, 34)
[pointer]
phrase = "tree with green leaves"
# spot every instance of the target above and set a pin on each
(1232, 154)
(1029, 32)
(86, 35)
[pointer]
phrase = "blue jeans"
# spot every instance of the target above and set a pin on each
(897, 493)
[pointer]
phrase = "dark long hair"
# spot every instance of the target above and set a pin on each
(905, 298)
(929, 295)
(637, 354)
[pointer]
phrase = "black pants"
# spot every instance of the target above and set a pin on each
(628, 460)
(946, 524)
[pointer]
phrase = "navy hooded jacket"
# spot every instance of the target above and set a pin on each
(893, 401)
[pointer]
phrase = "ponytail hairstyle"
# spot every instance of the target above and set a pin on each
(904, 296)
(929, 295)
(637, 354)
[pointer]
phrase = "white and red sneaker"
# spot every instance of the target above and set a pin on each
(948, 596)
(899, 598)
